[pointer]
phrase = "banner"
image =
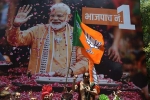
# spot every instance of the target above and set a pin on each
(36, 38)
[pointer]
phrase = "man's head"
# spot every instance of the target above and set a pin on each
(86, 77)
(17, 95)
(46, 97)
(47, 92)
(60, 14)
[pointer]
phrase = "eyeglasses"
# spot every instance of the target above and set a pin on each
(86, 77)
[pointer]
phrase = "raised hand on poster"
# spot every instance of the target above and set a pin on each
(114, 54)
(22, 15)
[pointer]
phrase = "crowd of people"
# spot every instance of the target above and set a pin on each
(86, 90)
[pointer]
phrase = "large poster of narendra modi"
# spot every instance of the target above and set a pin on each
(40, 34)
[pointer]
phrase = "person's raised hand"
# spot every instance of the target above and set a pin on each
(22, 15)
(114, 54)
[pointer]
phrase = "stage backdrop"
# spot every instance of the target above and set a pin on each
(44, 42)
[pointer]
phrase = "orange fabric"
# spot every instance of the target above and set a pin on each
(97, 52)
(91, 66)
(97, 88)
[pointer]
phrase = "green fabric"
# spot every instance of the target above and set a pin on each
(103, 97)
(77, 30)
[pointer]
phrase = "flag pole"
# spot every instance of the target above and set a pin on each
(67, 77)
(72, 53)
(71, 61)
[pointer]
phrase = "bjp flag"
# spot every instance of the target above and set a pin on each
(90, 40)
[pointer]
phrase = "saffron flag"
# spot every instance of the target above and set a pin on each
(91, 40)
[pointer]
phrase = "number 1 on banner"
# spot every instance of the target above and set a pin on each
(126, 17)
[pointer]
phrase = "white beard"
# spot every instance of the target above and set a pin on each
(58, 26)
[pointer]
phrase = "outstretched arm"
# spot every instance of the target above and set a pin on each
(113, 50)
(81, 66)
(74, 86)
(15, 36)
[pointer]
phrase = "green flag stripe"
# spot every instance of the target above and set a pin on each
(77, 31)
